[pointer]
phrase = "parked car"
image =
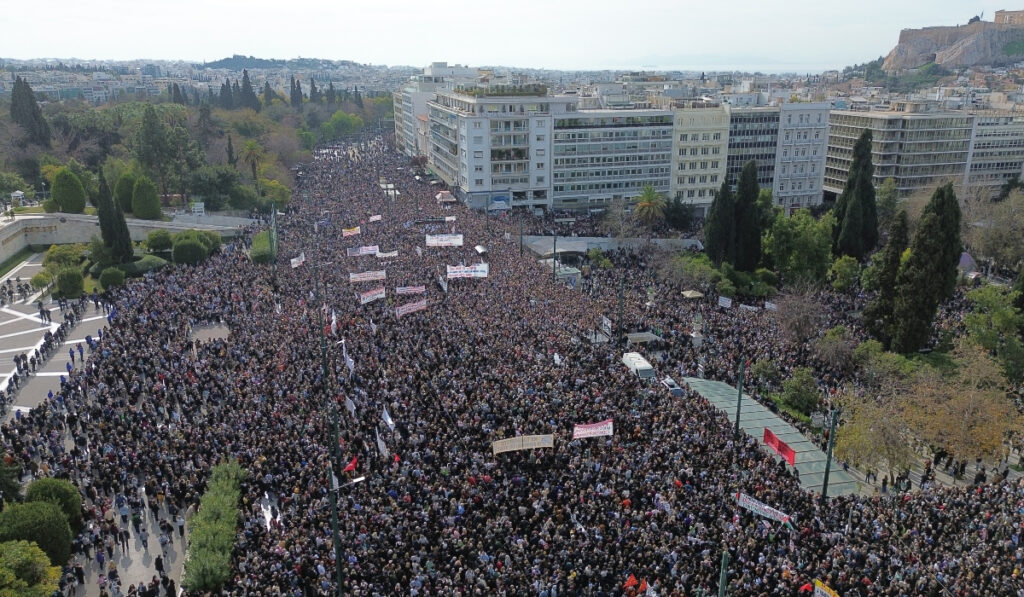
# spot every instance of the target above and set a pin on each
(672, 387)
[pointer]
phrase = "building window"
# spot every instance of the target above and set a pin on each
(690, 194)
(540, 165)
(476, 124)
(703, 165)
(714, 164)
(540, 138)
(478, 154)
(717, 137)
(478, 168)
(693, 137)
(479, 182)
(693, 180)
(477, 140)
(540, 152)
(540, 180)
(705, 137)
(714, 178)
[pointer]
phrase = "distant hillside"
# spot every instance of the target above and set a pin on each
(238, 62)
(977, 44)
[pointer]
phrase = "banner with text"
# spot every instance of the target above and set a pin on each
(781, 448)
(368, 276)
(371, 295)
(350, 231)
(598, 429)
(411, 307)
(724, 301)
(523, 442)
(388, 255)
(761, 508)
(375, 218)
(410, 290)
(367, 250)
(823, 590)
(444, 240)
(479, 270)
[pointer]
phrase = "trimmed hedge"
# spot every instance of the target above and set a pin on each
(41, 522)
(260, 251)
(111, 277)
(145, 202)
(212, 530)
(69, 282)
(146, 263)
(159, 241)
(188, 251)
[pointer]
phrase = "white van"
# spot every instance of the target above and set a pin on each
(638, 365)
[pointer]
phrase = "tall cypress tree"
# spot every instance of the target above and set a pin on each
(248, 94)
(314, 93)
(176, 96)
(720, 227)
(930, 274)
(105, 212)
(878, 315)
(226, 100)
(358, 99)
(856, 231)
(232, 158)
(296, 95)
(748, 219)
(332, 96)
(25, 112)
(268, 94)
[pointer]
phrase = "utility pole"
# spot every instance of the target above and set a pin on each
(723, 575)
(334, 441)
(739, 401)
(554, 259)
(828, 453)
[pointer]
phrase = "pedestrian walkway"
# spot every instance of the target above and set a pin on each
(755, 418)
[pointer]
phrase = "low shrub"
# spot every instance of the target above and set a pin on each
(260, 250)
(111, 277)
(144, 264)
(212, 530)
(60, 492)
(41, 522)
(188, 251)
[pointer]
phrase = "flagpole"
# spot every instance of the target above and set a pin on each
(723, 576)
(334, 442)
(739, 401)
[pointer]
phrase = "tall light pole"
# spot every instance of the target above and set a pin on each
(739, 400)
(828, 454)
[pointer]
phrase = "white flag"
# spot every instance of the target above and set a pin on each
(334, 482)
(334, 323)
(387, 419)
(380, 446)
(277, 308)
(351, 406)
(373, 327)
(348, 360)
(297, 261)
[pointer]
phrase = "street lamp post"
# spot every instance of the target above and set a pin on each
(739, 399)
(828, 453)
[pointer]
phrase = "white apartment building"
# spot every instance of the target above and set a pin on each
(410, 103)
(600, 157)
(800, 155)
(700, 144)
(492, 143)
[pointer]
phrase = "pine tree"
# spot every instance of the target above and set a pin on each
(748, 219)
(856, 213)
(929, 276)
(332, 96)
(314, 93)
(878, 315)
(122, 241)
(720, 227)
(25, 112)
(236, 95)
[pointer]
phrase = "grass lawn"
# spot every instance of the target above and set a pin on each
(35, 209)
(90, 285)
(14, 260)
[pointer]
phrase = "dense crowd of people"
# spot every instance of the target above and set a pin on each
(436, 513)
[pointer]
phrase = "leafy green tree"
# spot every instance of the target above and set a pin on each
(679, 215)
(10, 182)
(68, 192)
(799, 246)
(41, 522)
(25, 571)
(232, 157)
(332, 96)
(226, 99)
(994, 324)
(253, 155)
(295, 97)
(25, 112)
(878, 314)
(213, 184)
(930, 273)
(111, 277)
(887, 199)
(123, 191)
(856, 212)
(60, 492)
(69, 282)
(145, 203)
(10, 486)
(58, 257)
(188, 251)
(720, 227)
(152, 147)
(314, 93)
(248, 96)
(1018, 287)
(159, 240)
(358, 99)
(748, 219)
(243, 197)
(800, 392)
(650, 208)
(844, 273)
(113, 228)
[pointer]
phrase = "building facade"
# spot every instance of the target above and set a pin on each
(753, 135)
(997, 151)
(410, 103)
(918, 150)
(700, 146)
(799, 172)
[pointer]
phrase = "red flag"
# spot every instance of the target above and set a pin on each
(630, 582)
(643, 585)
(807, 587)
(351, 466)
(396, 459)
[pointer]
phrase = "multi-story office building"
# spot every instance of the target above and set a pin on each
(997, 151)
(410, 103)
(602, 156)
(800, 155)
(485, 141)
(918, 149)
(753, 135)
(700, 145)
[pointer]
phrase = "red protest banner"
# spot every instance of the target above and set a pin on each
(780, 447)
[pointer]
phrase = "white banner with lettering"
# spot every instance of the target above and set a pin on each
(388, 255)
(598, 429)
(479, 270)
(375, 218)
(410, 290)
(444, 240)
(724, 301)
(371, 295)
(367, 250)
(350, 231)
(757, 507)
(523, 442)
(411, 307)
(368, 276)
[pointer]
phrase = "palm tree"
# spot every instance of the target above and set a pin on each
(650, 209)
(252, 154)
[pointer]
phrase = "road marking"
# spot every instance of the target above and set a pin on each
(21, 315)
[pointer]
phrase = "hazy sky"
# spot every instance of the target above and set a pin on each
(797, 35)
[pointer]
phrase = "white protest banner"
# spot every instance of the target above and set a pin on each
(367, 250)
(371, 295)
(770, 306)
(297, 261)
(411, 307)
(368, 276)
(747, 307)
(375, 218)
(724, 301)
(381, 447)
(449, 218)
(745, 501)
(442, 283)
(598, 429)
(410, 290)
(480, 270)
(389, 255)
(522, 442)
(350, 231)
(419, 251)
(387, 419)
(444, 240)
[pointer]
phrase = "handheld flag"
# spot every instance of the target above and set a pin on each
(387, 419)
(380, 446)
(630, 582)
(352, 465)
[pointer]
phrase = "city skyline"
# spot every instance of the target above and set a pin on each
(802, 36)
